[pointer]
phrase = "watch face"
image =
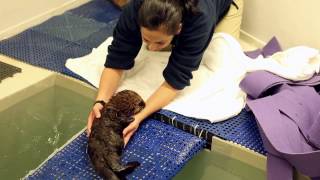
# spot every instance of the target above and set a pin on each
(120, 3)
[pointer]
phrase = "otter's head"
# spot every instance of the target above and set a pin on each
(126, 103)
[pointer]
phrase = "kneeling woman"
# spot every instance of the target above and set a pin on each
(187, 25)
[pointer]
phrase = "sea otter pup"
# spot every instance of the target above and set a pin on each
(106, 140)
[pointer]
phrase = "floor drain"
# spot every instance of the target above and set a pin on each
(7, 70)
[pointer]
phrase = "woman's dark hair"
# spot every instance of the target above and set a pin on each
(166, 13)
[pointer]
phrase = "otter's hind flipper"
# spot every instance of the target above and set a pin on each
(108, 174)
(126, 169)
(104, 170)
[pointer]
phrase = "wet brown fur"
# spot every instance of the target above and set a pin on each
(106, 140)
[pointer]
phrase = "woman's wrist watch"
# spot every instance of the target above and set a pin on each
(102, 102)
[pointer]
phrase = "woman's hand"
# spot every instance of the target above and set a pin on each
(129, 131)
(160, 98)
(95, 113)
(108, 84)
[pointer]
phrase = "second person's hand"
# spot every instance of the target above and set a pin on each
(94, 113)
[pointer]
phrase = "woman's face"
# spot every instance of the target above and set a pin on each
(155, 39)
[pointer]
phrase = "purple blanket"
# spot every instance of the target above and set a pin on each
(289, 122)
(288, 116)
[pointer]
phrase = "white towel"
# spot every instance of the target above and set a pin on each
(214, 93)
(296, 63)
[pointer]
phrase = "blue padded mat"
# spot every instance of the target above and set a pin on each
(161, 149)
(241, 129)
(43, 50)
(69, 27)
(97, 38)
(99, 10)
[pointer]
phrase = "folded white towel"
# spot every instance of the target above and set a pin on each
(296, 63)
(90, 66)
(214, 93)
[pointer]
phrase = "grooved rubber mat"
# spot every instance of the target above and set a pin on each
(161, 149)
(7, 70)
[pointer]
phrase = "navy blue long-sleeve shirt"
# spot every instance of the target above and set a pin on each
(188, 46)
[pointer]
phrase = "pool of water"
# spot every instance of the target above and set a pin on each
(214, 165)
(33, 128)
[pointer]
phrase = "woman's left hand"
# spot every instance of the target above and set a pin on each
(129, 131)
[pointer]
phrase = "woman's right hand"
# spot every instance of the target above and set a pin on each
(95, 113)
(109, 81)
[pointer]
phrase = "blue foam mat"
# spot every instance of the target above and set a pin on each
(161, 149)
(99, 10)
(241, 129)
(97, 38)
(43, 50)
(69, 27)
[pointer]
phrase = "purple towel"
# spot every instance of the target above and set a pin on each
(253, 54)
(269, 49)
(257, 83)
(289, 123)
(314, 133)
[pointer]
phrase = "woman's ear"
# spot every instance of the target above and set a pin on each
(179, 29)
